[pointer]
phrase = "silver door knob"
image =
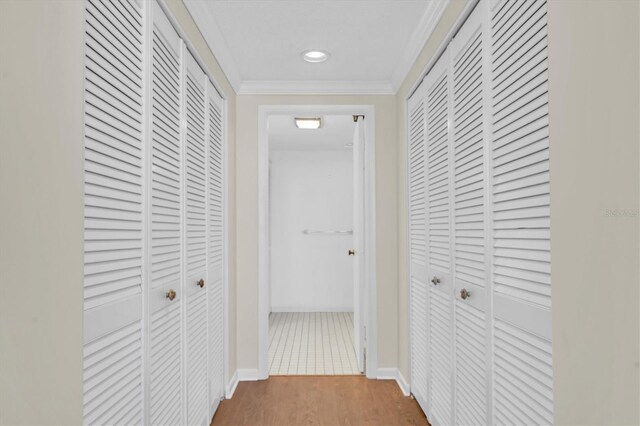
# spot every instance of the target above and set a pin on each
(435, 280)
(464, 294)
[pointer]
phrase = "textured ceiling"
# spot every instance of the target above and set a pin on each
(258, 42)
(336, 132)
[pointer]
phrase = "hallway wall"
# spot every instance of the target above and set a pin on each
(594, 124)
(594, 63)
(247, 219)
(41, 219)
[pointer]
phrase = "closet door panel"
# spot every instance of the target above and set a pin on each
(521, 214)
(418, 247)
(215, 244)
(195, 253)
(165, 230)
(439, 227)
(113, 210)
(470, 220)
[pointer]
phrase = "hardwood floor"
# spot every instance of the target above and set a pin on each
(319, 400)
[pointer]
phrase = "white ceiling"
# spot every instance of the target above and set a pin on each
(335, 133)
(372, 43)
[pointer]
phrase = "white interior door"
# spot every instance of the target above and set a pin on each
(470, 223)
(113, 214)
(418, 283)
(358, 240)
(522, 361)
(165, 331)
(195, 243)
(439, 239)
(215, 249)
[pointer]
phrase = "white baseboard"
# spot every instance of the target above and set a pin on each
(387, 373)
(231, 386)
(394, 374)
(248, 374)
(404, 385)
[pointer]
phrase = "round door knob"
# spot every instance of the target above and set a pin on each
(435, 280)
(171, 294)
(352, 252)
(464, 294)
(201, 283)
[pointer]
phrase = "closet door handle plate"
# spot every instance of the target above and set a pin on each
(200, 283)
(464, 294)
(171, 294)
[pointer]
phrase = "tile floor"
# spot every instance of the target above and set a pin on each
(311, 343)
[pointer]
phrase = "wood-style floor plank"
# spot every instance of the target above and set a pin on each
(319, 400)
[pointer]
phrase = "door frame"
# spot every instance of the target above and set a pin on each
(368, 296)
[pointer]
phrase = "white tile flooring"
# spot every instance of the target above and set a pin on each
(311, 343)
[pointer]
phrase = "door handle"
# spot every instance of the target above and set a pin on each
(171, 294)
(352, 252)
(464, 294)
(200, 283)
(435, 280)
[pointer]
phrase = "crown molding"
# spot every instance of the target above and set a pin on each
(303, 87)
(206, 23)
(418, 39)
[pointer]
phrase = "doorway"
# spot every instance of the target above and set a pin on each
(311, 234)
(317, 245)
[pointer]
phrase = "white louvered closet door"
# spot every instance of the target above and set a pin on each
(113, 213)
(215, 245)
(165, 332)
(471, 257)
(439, 240)
(418, 287)
(196, 242)
(521, 213)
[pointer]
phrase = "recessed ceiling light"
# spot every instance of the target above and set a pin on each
(308, 123)
(315, 55)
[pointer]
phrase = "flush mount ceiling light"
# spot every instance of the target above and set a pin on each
(315, 56)
(308, 123)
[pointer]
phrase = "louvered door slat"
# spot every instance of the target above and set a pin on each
(113, 214)
(521, 250)
(196, 234)
(165, 319)
(215, 246)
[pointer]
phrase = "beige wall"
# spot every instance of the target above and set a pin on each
(594, 55)
(449, 17)
(180, 12)
(41, 219)
(247, 218)
(594, 117)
